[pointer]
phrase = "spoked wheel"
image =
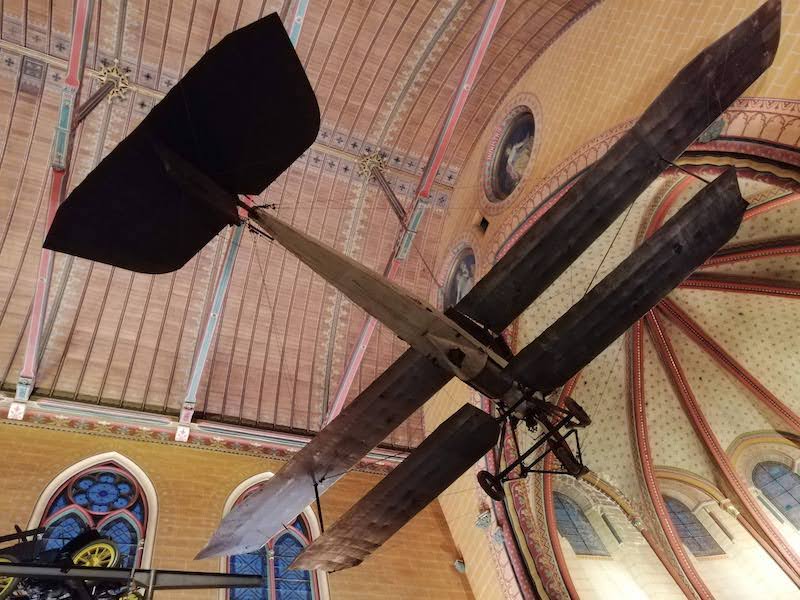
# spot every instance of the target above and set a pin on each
(492, 485)
(7, 584)
(576, 410)
(99, 553)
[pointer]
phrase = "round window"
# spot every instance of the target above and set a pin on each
(460, 279)
(103, 491)
(512, 154)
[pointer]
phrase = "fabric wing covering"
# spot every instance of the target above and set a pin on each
(691, 102)
(241, 116)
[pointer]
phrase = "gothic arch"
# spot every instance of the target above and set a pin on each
(146, 486)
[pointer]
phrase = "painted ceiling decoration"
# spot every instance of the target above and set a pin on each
(119, 348)
(112, 338)
(460, 278)
(512, 153)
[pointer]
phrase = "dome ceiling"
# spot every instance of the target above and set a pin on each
(384, 73)
(732, 328)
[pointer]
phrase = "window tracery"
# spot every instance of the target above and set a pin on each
(272, 562)
(690, 530)
(103, 497)
(573, 525)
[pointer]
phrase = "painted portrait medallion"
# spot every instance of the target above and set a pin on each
(512, 154)
(460, 279)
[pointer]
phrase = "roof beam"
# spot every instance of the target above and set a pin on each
(755, 251)
(220, 292)
(671, 311)
(640, 425)
(549, 506)
(60, 163)
(743, 285)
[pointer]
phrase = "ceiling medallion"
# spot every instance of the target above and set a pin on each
(113, 74)
(512, 153)
(460, 278)
(371, 162)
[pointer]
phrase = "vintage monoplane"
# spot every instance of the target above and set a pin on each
(191, 158)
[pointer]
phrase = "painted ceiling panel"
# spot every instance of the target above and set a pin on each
(728, 406)
(608, 444)
(762, 333)
(673, 440)
(384, 73)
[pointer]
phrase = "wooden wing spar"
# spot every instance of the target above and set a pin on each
(169, 187)
(454, 447)
(241, 115)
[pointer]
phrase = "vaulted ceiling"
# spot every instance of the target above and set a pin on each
(384, 74)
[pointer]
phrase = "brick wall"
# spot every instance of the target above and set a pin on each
(192, 486)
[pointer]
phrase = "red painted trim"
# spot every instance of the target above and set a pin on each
(769, 549)
(77, 52)
(636, 362)
(69, 508)
(549, 507)
(742, 285)
(771, 205)
(723, 463)
(661, 214)
(763, 249)
(524, 581)
(668, 564)
(130, 517)
(58, 184)
(670, 310)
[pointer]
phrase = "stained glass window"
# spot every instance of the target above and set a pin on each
(289, 585)
(574, 526)
(781, 486)
(254, 563)
(691, 531)
(272, 562)
(105, 498)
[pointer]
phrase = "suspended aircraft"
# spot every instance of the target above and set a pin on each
(197, 152)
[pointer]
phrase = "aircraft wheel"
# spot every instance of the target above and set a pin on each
(491, 485)
(7, 584)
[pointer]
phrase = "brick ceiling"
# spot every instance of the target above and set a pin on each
(384, 73)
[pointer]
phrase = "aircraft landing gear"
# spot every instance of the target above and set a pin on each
(534, 411)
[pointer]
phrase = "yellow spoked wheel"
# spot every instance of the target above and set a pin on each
(100, 553)
(7, 584)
